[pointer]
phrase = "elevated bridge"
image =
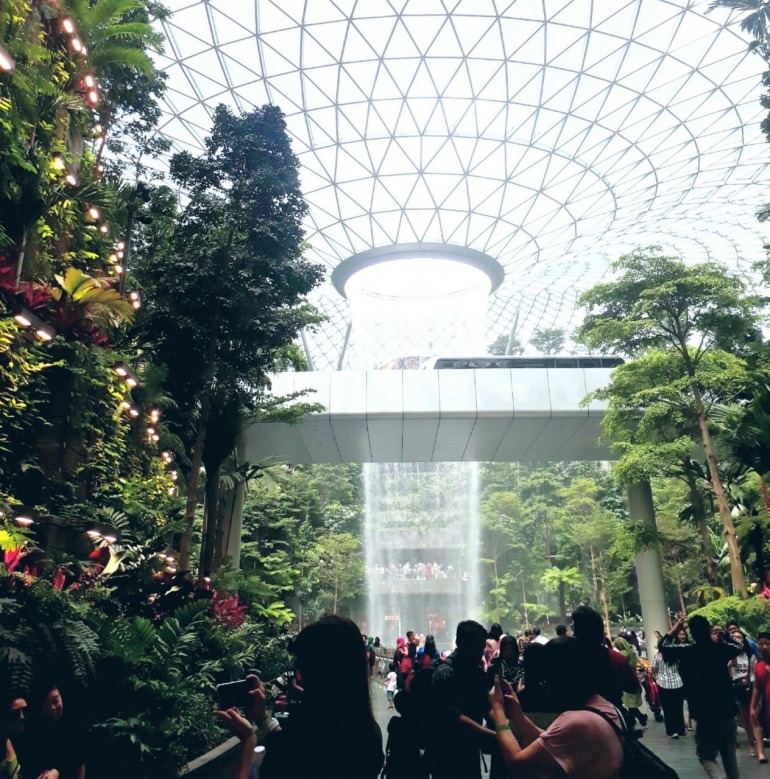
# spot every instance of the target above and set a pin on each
(473, 415)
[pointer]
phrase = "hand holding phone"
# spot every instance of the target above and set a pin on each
(236, 695)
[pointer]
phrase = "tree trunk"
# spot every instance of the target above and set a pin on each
(736, 568)
(758, 537)
(606, 605)
(197, 452)
(765, 494)
(679, 588)
(563, 603)
(524, 601)
(209, 534)
(336, 592)
(700, 515)
(497, 595)
(595, 592)
(22, 252)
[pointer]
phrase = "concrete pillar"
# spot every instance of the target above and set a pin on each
(233, 540)
(649, 571)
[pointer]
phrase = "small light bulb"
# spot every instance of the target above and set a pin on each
(58, 162)
(150, 430)
(136, 305)
(93, 97)
(100, 168)
(155, 438)
(134, 412)
(23, 520)
(22, 320)
(93, 212)
(76, 44)
(120, 255)
(98, 129)
(93, 533)
(68, 26)
(131, 382)
(120, 370)
(118, 269)
(71, 179)
(43, 335)
(121, 245)
(104, 229)
(110, 539)
(124, 404)
(89, 79)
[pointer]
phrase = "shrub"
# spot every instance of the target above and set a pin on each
(753, 615)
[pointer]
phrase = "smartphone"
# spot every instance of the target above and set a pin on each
(234, 695)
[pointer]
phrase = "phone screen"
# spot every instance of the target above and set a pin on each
(234, 694)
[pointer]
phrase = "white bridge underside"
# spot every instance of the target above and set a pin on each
(503, 415)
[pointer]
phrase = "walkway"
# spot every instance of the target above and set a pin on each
(680, 755)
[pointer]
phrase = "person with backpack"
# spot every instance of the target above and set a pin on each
(459, 706)
(586, 719)
(703, 667)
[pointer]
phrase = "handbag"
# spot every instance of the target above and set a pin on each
(638, 761)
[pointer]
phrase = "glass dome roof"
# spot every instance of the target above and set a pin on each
(550, 135)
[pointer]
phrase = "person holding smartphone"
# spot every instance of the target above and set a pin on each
(333, 663)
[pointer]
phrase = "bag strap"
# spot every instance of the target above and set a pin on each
(620, 732)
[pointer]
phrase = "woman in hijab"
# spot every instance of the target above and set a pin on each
(631, 701)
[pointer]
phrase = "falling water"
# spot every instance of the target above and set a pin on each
(421, 533)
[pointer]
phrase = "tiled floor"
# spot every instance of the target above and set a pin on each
(680, 754)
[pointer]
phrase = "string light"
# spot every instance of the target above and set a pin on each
(71, 179)
(93, 212)
(154, 414)
(68, 26)
(89, 79)
(118, 269)
(121, 245)
(134, 412)
(58, 161)
(76, 44)
(6, 60)
(104, 229)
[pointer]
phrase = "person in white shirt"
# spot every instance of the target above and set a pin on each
(391, 685)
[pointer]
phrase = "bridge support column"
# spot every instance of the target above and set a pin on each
(649, 571)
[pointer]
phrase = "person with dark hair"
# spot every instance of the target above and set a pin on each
(402, 753)
(536, 702)
(742, 669)
(493, 643)
(52, 740)
(12, 721)
(733, 625)
(333, 663)
(671, 688)
(537, 638)
(561, 750)
(561, 631)
(614, 676)
(461, 704)
(426, 654)
(631, 701)
(506, 665)
(709, 690)
(761, 692)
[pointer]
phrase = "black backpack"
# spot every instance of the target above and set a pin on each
(638, 761)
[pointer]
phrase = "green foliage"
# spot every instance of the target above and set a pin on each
(752, 614)
(548, 341)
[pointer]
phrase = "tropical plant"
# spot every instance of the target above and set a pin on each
(658, 302)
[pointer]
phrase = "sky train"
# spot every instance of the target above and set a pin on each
(521, 362)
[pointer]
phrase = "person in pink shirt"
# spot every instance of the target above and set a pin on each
(560, 751)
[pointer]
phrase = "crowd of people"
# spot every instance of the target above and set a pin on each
(524, 705)
(419, 571)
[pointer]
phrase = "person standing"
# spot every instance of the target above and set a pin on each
(761, 692)
(461, 703)
(703, 667)
(507, 664)
(493, 643)
(671, 689)
(391, 686)
(632, 701)
(742, 674)
(13, 721)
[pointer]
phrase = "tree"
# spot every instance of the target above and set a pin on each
(229, 292)
(499, 346)
(499, 516)
(658, 302)
(338, 567)
(548, 341)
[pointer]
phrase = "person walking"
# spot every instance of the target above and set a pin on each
(709, 691)
(761, 692)
(632, 701)
(671, 688)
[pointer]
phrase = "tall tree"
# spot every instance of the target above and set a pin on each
(659, 302)
(549, 340)
(230, 290)
(499, 516)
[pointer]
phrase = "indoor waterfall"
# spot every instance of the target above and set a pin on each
(422, 548)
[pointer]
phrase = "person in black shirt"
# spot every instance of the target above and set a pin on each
(709, 691)
(52, 740)
(461, 702)
(333, 664)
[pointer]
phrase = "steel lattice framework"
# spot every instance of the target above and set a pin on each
(549, 134)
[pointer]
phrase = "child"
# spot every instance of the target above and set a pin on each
(392, 684)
